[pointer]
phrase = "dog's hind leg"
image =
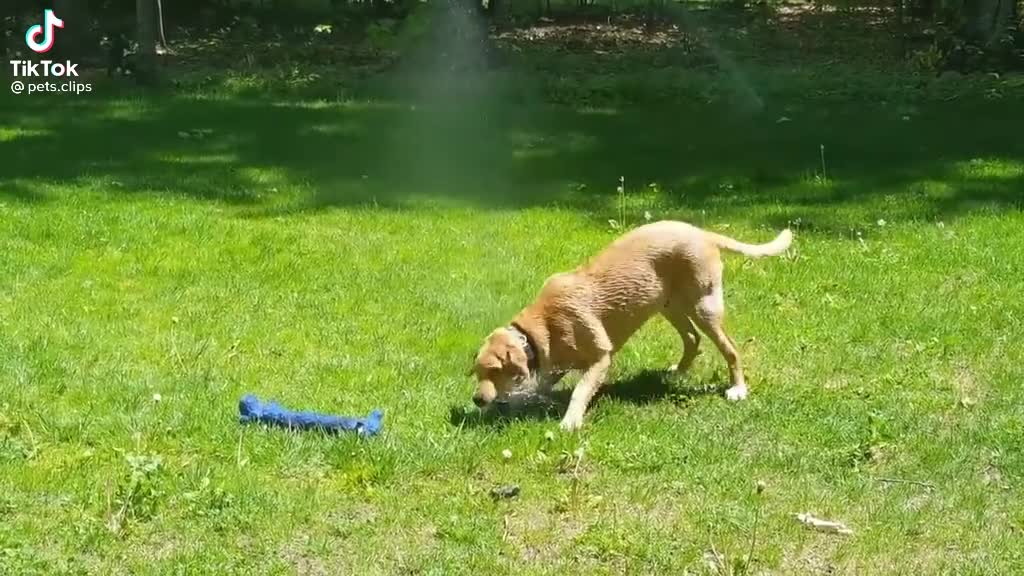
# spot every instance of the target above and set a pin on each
(710, 314)
(680, 320)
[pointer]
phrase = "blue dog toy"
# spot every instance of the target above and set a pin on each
(272, 413)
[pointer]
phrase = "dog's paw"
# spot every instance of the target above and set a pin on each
(683, 365)
(572, 422)
(736, 393)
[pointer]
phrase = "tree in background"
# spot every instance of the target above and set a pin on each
(961, 34)
(161, 38)
(76, 36)
(145, 17)
(987, 20)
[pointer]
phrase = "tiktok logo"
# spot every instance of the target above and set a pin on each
(50, 21)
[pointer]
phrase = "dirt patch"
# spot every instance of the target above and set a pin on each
(298, 556)
(540, 535)
(814, 558)
(968, 391)
(615, 35)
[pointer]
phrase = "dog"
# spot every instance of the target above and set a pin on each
(580, 319)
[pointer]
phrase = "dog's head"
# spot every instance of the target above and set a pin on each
(500, 366)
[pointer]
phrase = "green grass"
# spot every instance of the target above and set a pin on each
(345, 256)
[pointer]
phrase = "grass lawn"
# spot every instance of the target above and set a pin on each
(351, 255)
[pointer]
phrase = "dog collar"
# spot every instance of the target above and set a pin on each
(528, 347)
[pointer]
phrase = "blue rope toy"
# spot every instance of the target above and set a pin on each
(271, 413)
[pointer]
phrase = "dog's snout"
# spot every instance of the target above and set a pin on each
(479, 400)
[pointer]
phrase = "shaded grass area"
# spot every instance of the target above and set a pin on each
(250, 254)
(933, 161)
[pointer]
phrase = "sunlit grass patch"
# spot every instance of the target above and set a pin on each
(124, 110)
(9, 134)
(199, 159)
(991, 169)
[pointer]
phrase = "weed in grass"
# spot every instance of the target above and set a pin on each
(17, 442)
(137, 495)
(211, 502)
(620, 192)
(824, 170)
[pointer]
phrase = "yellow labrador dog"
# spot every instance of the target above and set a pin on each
(581, 318)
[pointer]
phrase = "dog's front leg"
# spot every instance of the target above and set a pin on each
(592, 379)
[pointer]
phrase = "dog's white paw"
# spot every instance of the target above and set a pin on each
(736, 393)
(572, 422)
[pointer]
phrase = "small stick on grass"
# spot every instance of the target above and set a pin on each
(719, 565)
(239, 460)
(928, 485)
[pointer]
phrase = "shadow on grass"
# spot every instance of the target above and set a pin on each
(272, 159)
(646, 387)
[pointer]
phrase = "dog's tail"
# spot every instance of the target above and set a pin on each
(773, 248)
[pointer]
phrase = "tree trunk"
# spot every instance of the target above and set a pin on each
(923, 9)
(986, 19)
(901, 26)
(161, 38)
(145, 17)
(69, 40)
